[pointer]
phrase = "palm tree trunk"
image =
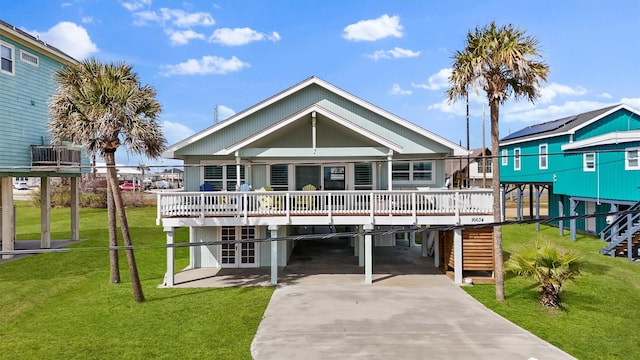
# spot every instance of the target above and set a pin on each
(494, 105)
(114, 263)
(550, 294)
(124, 225)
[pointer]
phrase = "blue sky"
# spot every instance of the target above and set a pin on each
(394, 54)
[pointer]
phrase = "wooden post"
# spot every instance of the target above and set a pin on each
(8, 241)
(75, 209)
(457, 256)
(368, 255)
(274, 254)
(169, 278)
(45, 213)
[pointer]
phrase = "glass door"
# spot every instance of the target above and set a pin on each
(334, 178)
(243, 254)
(308, 174)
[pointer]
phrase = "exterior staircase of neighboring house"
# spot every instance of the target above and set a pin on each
(623, 235)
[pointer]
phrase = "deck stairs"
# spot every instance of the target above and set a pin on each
(623, 234)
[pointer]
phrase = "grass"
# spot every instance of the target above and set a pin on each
(601, 308)
(61, 305)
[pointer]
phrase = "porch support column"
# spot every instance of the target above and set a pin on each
(424, 246)
(537, 207)
(389, 170)
(573, 205)
(519, 203)
(503, 202)
(274, 254)
(45, 213)
(436, 248)
(614, 209)
(75, 209)
(361, 248)
(368, 255)
(169, 277)
(237, 171)
(457, 256)
(561, 214)
(8, 242)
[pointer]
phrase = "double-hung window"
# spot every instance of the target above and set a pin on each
(589, 162)
(632, 159)
(417, 171)
(505, 157)
(543, 156)
(7, 59)
(487, 167)
(516, 159)
(222, 177)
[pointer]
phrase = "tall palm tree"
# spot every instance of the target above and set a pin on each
(502, 61)
(550, 266)
(101, 107)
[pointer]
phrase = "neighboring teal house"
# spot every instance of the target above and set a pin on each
(590, 165)
(26, 84)
(314, 159)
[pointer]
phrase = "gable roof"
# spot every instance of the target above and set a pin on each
(33, 42)
(563, 126)
(313, 80)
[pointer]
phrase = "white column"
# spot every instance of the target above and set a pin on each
(368, 255)
(389, 170)
(436, 249)
(313, 131)
(274, 254)
(237, 171)
(8, 242)
(45, 214)
(75, 209)
(457, 256)
(361, 249)
(169, 278)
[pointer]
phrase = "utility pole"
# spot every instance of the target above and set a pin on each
(468, 159)
(484, 159)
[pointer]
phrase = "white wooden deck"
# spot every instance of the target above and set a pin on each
(324, 207)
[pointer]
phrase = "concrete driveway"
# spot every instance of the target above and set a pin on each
(404, 315)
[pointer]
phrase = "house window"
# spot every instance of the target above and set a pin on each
(487, 167)
(543, 157)
(279, 177)
(363, 179)
(222, 177)
(505, 157)
(419, 171)
(632, 159)
(29, 58)
(589, 162)
(516, 159)
(6, 59)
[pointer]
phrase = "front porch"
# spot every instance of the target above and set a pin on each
(397, 207)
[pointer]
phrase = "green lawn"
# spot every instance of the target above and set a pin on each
(601, 312)
(61, 306)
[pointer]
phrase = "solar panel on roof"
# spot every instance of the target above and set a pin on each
(540, 128)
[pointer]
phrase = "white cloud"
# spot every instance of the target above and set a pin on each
(374, 29)
(240, 36)
(177, 17)
(175, 132)
(70, 38)
(206, 65)
(397, 90)
(135, 5)
(395, 53)
(225, 112)
(436, 82)
(183, 37)
(606, 95)
(551, 91)
(633, 102)
(87, 19)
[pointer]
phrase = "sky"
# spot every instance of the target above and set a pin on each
(230, 55)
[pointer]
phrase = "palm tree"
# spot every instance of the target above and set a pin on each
(102, 106)
(502, 61)
(550, 266)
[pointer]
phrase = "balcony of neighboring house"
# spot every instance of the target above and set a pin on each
(402, 207)
(55, 158)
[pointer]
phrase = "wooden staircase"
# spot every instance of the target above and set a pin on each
(623, 235)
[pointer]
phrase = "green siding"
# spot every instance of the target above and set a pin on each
(621, 120)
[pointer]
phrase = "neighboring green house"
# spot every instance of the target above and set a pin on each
(589, 163)
(26, 84)
(309, 160)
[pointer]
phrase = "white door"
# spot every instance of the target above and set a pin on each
(242, 254)
(590, 222)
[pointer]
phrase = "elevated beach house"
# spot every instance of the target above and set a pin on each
(26, 84)
(590, 163)
(315, 159)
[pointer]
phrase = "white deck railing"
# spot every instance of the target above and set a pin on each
(323, 203)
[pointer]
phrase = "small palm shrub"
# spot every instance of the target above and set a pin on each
(549, 265)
